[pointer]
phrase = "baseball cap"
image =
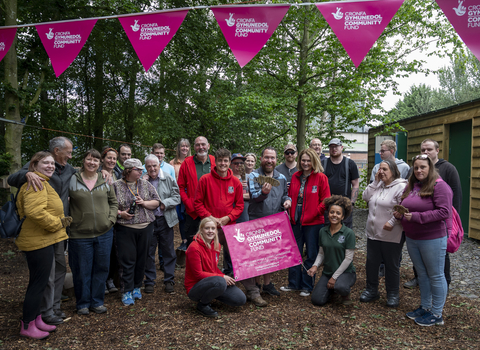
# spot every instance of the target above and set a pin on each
(133, 163)
(290, 146)
(237, 155)
(335, 142)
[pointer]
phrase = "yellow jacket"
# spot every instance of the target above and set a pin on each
(43, 210)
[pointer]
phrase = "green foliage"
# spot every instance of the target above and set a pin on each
(5, 161)
(364, 181)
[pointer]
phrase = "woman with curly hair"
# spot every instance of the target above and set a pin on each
(337, 248)
(426, 222)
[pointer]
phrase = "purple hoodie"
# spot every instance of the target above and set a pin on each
(429, 214)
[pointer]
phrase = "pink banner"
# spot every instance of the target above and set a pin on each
(359, 24)
(261, 246)
(7, 36)
(63, 41)
(247, 29)
(464, 15)
(149, 34)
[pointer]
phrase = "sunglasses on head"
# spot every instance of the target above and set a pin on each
(289, 153)
(420, 156)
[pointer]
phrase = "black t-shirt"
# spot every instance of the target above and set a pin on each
(336, 176)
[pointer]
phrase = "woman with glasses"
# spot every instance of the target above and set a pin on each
(93, 206)
(308, 189)
(384, 232)
(137, 199)
(425, 218)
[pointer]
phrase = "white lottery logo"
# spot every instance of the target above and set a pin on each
(460, 10)
(339, 14)
(135, 26)
(230, 21)
(50, 34)
(240, 237)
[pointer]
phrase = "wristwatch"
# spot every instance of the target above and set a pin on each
(119, 216)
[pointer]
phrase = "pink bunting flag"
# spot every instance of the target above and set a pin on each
(150, 34)
(248, 28)
(7, 36)
(359, 24)
(63, 41)
(464, 15)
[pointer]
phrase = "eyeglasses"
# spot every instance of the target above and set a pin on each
(237, 163)
(289, 153)
(384, 150)
(420, 156)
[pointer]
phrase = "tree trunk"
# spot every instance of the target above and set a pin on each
(13, 132)
(301, 110)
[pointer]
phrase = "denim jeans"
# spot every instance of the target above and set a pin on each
(428, 257)
(297, 275)
(215, 287)
(53, 291)
(89, 260)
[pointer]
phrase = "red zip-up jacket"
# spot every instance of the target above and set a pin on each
(316, 190)
(201, 262)
(188, 182)
(219, 196)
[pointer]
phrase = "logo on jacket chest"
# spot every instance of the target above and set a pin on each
(341, 239)
(230, 189)
(314, 189)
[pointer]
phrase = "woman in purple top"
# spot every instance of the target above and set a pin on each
(137, 199)
(429, 202)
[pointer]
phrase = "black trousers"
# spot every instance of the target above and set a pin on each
(388, 253)
(40, 264)
(132, 251)
(344, 283)
(191, 227)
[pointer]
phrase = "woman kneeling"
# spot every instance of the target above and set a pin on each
(337, 247)
(203, 279)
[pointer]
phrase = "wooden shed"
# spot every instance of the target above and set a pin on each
(457, 131)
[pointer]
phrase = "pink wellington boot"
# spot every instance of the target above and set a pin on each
(32, 331)
(43, 326)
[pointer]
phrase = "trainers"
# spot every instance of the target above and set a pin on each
(206, 310)
(83, 311)
(287, 289)
(127, 299)
(258, 301)
(111, 286)
(136, 294)
(411, 284)
(99, 309)
(304, 293)
(369, 295)
(169, 287)
(149, 288)
(429, 319)
(416, 313)
(60, 313)
(270, 289)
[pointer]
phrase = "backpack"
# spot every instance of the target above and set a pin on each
(455, 236)
(10, 222)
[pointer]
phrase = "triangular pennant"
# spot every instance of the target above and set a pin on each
(7, 36)
(248, 28)
(149, 34)
(359, 24)
(63, 41)
(464, 15)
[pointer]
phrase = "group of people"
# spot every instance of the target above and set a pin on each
(115, 212)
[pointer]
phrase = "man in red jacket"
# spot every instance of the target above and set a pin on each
(191, 170)
(220, 196)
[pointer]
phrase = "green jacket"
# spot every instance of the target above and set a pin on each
(94, 212)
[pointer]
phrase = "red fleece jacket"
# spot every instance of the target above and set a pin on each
(201, 262)
(219, 196)
(316, 190)
(188, 182)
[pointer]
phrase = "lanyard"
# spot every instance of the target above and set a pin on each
(136, 185)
